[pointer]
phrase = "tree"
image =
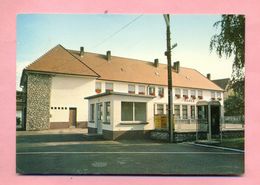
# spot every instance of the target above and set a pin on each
(230, 42)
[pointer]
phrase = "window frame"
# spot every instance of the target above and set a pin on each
(184, 111)
(131, 91)
(98, 89)
(161, 91)
(92, 112)
(134, 121)
(139, 89)
(179, 111)
(177, 92)
(109, 89)
(106, 111)
(151, 93)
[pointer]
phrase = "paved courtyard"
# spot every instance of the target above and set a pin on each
(80, 154)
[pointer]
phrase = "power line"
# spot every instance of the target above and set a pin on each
(116, 32)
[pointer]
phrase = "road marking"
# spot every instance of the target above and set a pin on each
(218, 147)
(213, 153)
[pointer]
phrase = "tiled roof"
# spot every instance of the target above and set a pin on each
(60, 60)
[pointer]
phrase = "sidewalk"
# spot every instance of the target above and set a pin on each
(54, 131)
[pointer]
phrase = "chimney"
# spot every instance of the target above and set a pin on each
(176, 66)
(81, 53)
(208, 76)
(156, 62)
(108, 55)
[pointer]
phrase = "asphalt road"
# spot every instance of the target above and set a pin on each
(76, 154)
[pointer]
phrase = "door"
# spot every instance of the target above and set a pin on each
(99, 118)
(215, 119)
(72, 117)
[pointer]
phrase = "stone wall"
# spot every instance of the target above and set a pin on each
(38, 101)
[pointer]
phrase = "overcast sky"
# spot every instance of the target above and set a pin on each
(132, 36)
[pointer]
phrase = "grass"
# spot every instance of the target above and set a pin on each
(236, 143)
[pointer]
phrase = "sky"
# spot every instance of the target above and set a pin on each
(138, 36)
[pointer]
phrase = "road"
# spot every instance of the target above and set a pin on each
(76, 154)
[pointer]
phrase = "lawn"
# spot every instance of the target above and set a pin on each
(236, 143)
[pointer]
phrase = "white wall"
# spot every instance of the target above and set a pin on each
(69, 91)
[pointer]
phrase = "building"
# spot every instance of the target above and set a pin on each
(20, 105)
(116, 96)
(225, 85)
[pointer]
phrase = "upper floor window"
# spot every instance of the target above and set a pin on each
(161, 91)
(141, 89)
(185, 93)
(152, 90)
(200, 94)
(219, 96)
(131, 89)
(178, 93)
(109, 86)
(98, 87)
(193, 94)
(213, 95)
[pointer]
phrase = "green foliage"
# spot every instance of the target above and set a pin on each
(234, 106)
(230, 42)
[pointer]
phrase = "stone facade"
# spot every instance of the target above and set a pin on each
(38, 101)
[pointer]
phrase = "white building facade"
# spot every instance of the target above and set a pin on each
(109, 96)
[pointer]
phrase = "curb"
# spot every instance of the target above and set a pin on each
(217, 147)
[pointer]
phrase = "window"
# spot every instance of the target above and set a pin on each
(98, 87)
(184, 112)
(161, 91)
(185, 93)
(131, 89)
(177, 111)
(99, 111)
(200, 95)
(193, 94)
(152, 91)
(192, 112)
(159, 108)
(92, 112)
(141, 89)
(219, 95)
(133, 111)
(109, 86)
(213, 95)
(107, 112)
(177, 93)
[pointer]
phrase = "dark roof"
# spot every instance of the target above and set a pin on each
(118, 93)
(222, 83)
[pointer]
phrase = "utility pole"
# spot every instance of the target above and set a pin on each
(169, 62)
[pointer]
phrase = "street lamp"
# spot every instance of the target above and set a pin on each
(168, 54)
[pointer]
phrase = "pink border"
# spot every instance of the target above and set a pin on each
(9, 9)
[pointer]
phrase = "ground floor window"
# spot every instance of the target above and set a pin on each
(177, 111)
(184, 112)
(159, 108)
(107, 112)
(192, 112)
(133, 111)
(92, 112)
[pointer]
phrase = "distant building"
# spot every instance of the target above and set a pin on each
(116, 96)
(224, 84)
